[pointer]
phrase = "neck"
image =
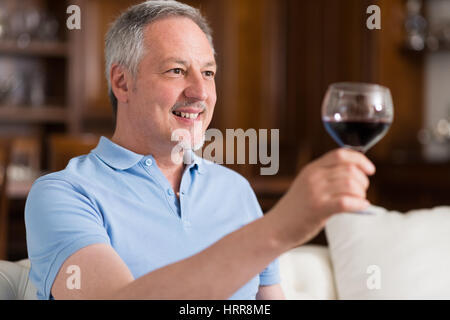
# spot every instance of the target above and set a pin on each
(163, 156)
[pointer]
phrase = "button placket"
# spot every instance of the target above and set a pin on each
(186, 180)
(187, 224)
(152, 169)
(148, 162)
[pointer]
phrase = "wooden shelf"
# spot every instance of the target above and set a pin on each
(29, 114)
(45, 49)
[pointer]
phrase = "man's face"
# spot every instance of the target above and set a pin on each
(175, 87)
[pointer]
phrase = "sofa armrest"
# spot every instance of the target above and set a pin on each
(306, 273)
(14, 281)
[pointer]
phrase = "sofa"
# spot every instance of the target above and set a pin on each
(307, 274)
(14, 281)
(377, 254)
(374, 255)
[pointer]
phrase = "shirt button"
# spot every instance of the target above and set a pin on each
(148, 162)
(170, 192)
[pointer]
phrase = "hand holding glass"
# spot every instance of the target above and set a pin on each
(357, 115)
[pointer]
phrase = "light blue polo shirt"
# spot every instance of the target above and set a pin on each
(117, 197)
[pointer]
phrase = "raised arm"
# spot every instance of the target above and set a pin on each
(335, 183)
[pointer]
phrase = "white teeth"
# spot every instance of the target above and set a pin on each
(187, 115)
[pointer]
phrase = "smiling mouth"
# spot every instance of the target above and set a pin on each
(187, 115)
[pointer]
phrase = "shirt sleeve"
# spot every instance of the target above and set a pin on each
(59, 221)
(271, 274)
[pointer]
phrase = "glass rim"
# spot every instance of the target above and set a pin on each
(357, 87)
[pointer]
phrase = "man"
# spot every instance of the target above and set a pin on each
(136, 224)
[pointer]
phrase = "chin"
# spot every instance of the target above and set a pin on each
(189, 145)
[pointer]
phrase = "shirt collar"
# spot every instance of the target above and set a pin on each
(192, 160)
(116, 156)
(121, 158)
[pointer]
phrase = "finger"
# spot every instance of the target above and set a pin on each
(348, 172)
(350, 157)
(343, 204)
(345, 187)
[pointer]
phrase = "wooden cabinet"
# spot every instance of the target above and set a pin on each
(36, 63)
(70, 87)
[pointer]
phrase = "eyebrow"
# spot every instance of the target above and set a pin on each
(185, 63)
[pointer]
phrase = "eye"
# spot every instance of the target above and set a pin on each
(177, 71)
(209, 74)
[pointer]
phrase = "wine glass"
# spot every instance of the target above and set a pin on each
(357, 115)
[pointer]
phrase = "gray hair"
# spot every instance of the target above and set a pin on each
(124, 39)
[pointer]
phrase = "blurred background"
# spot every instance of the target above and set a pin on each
(276, 59)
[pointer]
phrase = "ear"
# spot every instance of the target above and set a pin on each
(120, 83)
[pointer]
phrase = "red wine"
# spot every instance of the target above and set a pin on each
(358, 135)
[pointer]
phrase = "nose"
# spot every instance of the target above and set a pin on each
(196, 88)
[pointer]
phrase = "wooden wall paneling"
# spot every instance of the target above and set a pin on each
(5, 150)
(273, 64)
(334, 61)
(223, 21)
(327, 42)
(94, 82)
(75, 70)
(250, 19)
(369, 47)
(249, 15)
(218, 12)
(346, 40)
(304, 75)
(250, 39)
(222, 18)
(239, 58)
(350, 49)
(97, 15)
(274, 109)
(403, 73)
(304, 79)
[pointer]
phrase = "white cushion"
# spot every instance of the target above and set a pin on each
(306, 273)
(389, 255)
(14, 282)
